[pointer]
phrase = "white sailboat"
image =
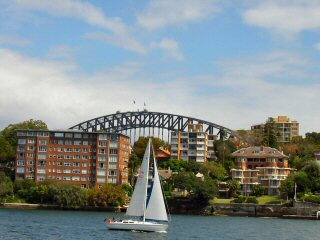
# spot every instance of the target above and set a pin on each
(148, 210)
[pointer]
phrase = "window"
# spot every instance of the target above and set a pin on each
(31, 140)
(114, 137)
(59, 171)
(103, 143)
(60, 156)
(42, 148)
(60, 142)
(84, 171)
(77, 135)
(113, 166)
(42, 156)
(112, 180)
(68, 149)
(59, 163)
(102, 151)
(77, 150)
(31, 155)
(41, 178)
(22, 141)
(68, 164)
(101, 172)
(113, 158)
(20, 163)
(77, 142)
(57, 134)
(84, 164)
(101, 165)
(102, 158)
(66, 178)
(41, 170)
(76, 156)
(21, 148)
(68, 142)
(75, 178)
(76, 164)
(85, 143)
(68, 135)
(113, 151)
(30, 162)
(85, 157)
(66, 170)
(43, 142)
(114, 144)
(101, 180)
(113, 172)
(68, 156)
(103, 136)
(30, 148)
(83, 179)
(76, 171)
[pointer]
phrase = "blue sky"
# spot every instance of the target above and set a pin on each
(234, 63)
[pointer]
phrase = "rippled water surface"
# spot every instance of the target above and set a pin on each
(49, 224)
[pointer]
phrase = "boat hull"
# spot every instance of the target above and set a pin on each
(137, 226)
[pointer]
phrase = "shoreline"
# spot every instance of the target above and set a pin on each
(57, 207)
(240, 210)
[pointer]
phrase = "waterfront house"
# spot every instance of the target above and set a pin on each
(260, 165)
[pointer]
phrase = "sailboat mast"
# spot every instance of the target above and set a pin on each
(146, 189)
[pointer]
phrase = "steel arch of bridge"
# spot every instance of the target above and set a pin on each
(123, 121)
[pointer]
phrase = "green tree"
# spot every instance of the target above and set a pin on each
(175, 165)
(139, 146)
(234, 188)
(8, 140)
(106, 195)
(133, 165)
(6, 186)
(270, 134)
(70, 196)
(287, 187)
(223, 150)
(258, 191)
(215, 170)
(198, 189)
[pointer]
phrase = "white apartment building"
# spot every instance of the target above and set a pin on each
(196, 144)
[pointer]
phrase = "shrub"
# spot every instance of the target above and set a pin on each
(252, 199)
(313, 199)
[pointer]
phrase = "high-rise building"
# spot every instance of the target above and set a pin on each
(85, 158)
(195, 144)
(286, 129)
(260, 165)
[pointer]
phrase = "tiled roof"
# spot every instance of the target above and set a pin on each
(258, 151)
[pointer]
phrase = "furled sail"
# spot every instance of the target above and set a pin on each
(138, 201)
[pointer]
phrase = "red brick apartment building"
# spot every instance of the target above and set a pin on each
(85, 158)
(260, 165)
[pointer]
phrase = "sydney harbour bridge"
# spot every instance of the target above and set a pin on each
(145, 123)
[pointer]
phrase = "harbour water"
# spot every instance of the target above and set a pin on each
(52, 224)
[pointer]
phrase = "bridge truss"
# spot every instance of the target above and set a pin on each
(146, 123)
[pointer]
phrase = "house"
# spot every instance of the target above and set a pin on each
(260, 165)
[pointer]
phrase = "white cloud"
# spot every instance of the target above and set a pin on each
(241, 95)
(14, 41)
(171, 47)
(119, 33)
(167, 12)
(285, 17)
(119, 40)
